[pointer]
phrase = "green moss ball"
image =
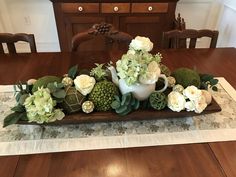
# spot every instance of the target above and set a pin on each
(186, 77)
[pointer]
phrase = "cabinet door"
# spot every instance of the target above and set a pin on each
(76, 24)
(150, 26)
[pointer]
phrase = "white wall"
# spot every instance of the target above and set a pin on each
(37, 17)
(30, 16)
(227, 25)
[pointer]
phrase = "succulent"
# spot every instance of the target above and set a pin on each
(73, 101)
(165, 70)
(158, 100)
(103, 94)
(186, 77)
(127, 104)
(98, 72)
(44, 81)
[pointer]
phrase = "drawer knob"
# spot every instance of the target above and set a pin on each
(149, 8)
(80, 8)
(116, 9)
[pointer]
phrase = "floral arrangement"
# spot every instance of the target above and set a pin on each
(50, 98)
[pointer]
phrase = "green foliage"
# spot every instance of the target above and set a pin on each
(14, 118)
(57, 91)
(126, 105)
(73, 71)
(98, 72)
(44, 81)
(22, 91)
(103, 94)
(208, 81)
(186, 77)
(158, 100)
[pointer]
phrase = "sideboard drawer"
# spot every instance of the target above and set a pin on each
(80, 7)
(115, 7)
(149, 8)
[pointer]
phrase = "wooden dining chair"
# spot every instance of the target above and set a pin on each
(11, 39)
(101, 30)
(172, 39)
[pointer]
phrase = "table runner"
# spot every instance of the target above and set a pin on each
(30, 139)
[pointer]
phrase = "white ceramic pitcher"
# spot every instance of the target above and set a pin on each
(140, 91)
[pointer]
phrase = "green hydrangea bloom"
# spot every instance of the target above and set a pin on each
(40, 107)
(131, 66)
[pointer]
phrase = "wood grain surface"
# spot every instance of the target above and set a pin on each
(195, 160)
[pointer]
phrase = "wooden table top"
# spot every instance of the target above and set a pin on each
(203, 159)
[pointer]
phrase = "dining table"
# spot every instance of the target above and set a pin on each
(208, 159)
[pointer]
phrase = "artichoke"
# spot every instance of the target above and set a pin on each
(103, 94)
(158, 100)
(187, 77)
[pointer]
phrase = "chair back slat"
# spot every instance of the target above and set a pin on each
(192, 43)
(11, 39)
(11, 48)
(101, 30)
(182, 36)
(1, 49)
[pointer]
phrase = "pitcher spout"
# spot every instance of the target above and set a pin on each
(114, 76)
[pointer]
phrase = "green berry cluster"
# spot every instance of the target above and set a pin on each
(103, 94)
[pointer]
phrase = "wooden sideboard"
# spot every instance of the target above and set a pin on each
(137, 17)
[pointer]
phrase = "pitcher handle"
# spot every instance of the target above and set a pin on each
(166, 83)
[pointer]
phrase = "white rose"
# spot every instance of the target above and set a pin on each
(207, 96)
(190, 106)
(176, 101)
(152, 74)
(141, 43)
(84, 84)
(31, 81)
(200, 104)
(192, 92)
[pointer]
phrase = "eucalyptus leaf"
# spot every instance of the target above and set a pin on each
(23, 98)
(51, 86)
(59, 94)
(12, 119)
(59, 85)
(73, 71)
(18, 95)
(19, 108)
(214, 81)
(206, 77)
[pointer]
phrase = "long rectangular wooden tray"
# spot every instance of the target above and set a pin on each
(136, 115)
